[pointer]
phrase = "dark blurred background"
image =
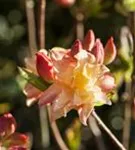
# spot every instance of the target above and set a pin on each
(106, 18)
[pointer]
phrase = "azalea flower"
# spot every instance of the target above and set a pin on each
(10, 139)
(78, 76)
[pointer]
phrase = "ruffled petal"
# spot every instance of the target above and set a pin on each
(60, 112)
(62, 99)
(84, 112)
(30, 91)
(32, 94)
(63, 64)
(49, 95)
(61, 105)
(57, 53)
(99, 97)
(77, 100)
(82, 55)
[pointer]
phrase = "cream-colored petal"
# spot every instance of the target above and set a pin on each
(32, 94)
(84, 112)
(62, 99)
(57, 53)
(30, 91)
(81, 55)
(76, 101)
(65, 74)
(50, 94)
(60, 112)
(99, 96)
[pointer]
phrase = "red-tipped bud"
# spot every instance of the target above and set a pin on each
(110, 51)
(107, 82)
(44, 66)
(7, 125)
(98, 51)
(65, 3)
(77, 46)
(89, 40)
(16, 140)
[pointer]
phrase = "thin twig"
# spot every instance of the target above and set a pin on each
(45, 140)
(56, 132)
(100, 122)
(41, 38)
(126, 39)
(133, 73)
(79, 25)
(41, 33)
(127, 117)
(131, 88)
(44, 125)
(133, 54)
(31, 26)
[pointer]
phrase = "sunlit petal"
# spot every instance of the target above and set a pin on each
(50, 94)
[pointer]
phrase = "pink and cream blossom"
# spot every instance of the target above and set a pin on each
(79, 78)
(10, 139)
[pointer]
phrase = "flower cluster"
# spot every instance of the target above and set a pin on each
(10, 139)
(78, 76)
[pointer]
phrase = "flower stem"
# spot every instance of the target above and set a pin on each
(31, 26)
(56, 132)
(41, 33)
(100, 122)
(41, 38)
(79, 25)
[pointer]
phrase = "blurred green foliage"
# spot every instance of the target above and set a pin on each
(107, 18)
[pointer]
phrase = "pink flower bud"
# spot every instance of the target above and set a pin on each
(44, 66)
(110, 51)
(7, 125)
(77, 46)
(107, 82)
(98, 51)
(89, 40)
(65, 3)
(16, 139)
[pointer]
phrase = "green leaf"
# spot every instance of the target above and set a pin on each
(35, 80)
(99, 103)
(129, 4)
